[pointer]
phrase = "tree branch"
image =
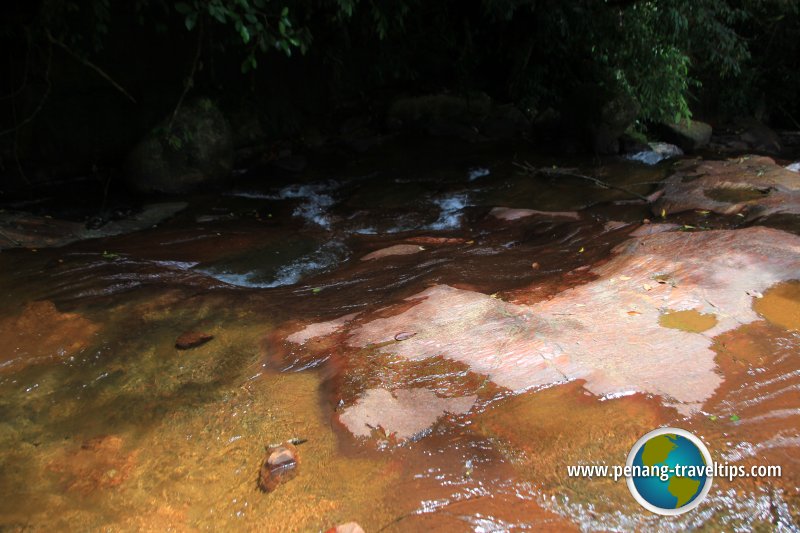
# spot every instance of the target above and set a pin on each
(100, 72)
(189, 83)
(40, 105)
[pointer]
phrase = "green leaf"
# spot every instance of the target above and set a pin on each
(735, 418)
(191, 21)
(316, 290)
(245, 34)
(285, 12)
(183, 8)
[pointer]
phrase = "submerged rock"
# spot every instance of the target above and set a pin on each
(99, 463)
(192, 339)
(397, 249)
(508, 213)
(349, 527)
(404, 414)
(753, 185)
(281, 465)
(42, 334)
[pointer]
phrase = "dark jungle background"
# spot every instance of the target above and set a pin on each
(84, 82)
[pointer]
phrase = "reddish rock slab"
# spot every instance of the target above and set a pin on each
(652, 229)
(397, 249)
(404, 414)
(508, 213)
(608, 331)
(192, 339)
(752, 185)
(320, 329)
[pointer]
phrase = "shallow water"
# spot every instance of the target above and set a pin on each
(106, 425)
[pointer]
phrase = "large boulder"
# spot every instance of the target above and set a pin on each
(689, 135)
(616, 116)
(506, 122)
(195, 151)
(443, 114)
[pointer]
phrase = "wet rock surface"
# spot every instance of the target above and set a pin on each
(400, 414)
(575, 335)
(19, 229)
(753, 186)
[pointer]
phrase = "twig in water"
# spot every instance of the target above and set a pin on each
(572, 173)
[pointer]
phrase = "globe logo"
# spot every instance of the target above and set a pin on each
(670, 470)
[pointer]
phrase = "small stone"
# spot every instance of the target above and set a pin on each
(535, 265)
(192, 339)
(646, 221)
(403, 335)
(280, 466)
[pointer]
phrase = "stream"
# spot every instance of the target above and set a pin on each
(311, 286)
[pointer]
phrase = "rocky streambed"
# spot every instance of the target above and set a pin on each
(423, 340)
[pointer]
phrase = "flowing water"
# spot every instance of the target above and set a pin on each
(104, 424)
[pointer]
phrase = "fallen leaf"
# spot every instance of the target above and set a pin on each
(316, 290)
(663, 213)
(581, 250)
(624, 278)
(735, 418)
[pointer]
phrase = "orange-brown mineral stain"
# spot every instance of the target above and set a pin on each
(781, 305)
